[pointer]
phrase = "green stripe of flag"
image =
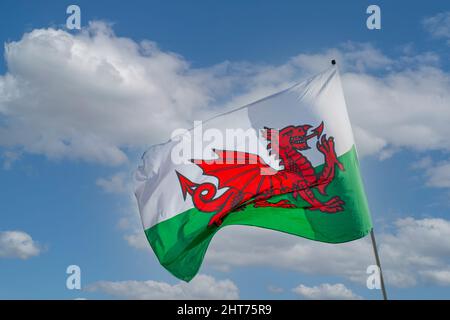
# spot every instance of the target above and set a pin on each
(180, 243)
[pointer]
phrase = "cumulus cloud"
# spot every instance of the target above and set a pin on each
(437, 174)
(393, 104)
(95, 96)
(9, 157)
(408, 258)
(326, 291)
(405, 109)
(437, 277)
(18, 244)
(406, 261)
(90, 95)
(438, 25)
(201, 287)
(121, 184)
(238, 246)
(136, 239)
(116, 183)
(274, 289)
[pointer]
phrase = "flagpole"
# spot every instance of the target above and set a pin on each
(377, 260)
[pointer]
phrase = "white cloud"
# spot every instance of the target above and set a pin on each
(17, 244)
(326, 291)
(406, 109)
(416, 247)
(275, 289)
(9, 157)
(368, 143)
(437, 277)
(201, 287)
(121, 184)
(238, 246)
(423, 163)
(137, 239)
(351, 57)
(438, 25)
(403, 257)
(117, 183)
(393, 104)
(95, 96)
(91, 95)
(437, 174)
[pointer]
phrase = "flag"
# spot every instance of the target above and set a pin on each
(287, 162)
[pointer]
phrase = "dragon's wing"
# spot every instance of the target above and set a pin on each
(244, 171)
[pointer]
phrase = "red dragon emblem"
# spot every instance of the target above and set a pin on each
(240, 174)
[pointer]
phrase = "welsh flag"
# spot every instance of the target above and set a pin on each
(286, 162)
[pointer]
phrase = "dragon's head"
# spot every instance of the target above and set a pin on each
(293, 136)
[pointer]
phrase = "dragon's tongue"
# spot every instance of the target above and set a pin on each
(316, 132)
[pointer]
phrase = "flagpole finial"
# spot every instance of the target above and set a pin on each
(333, 62)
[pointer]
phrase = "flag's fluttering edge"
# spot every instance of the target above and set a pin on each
(300, 177)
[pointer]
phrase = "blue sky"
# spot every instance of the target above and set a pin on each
(68, 159)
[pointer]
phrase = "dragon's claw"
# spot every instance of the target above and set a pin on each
(216, 220)
(333, 205)
(285, 204)
(327, 148)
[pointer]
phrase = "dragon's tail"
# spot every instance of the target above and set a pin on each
(204, 198)
(187, 186)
